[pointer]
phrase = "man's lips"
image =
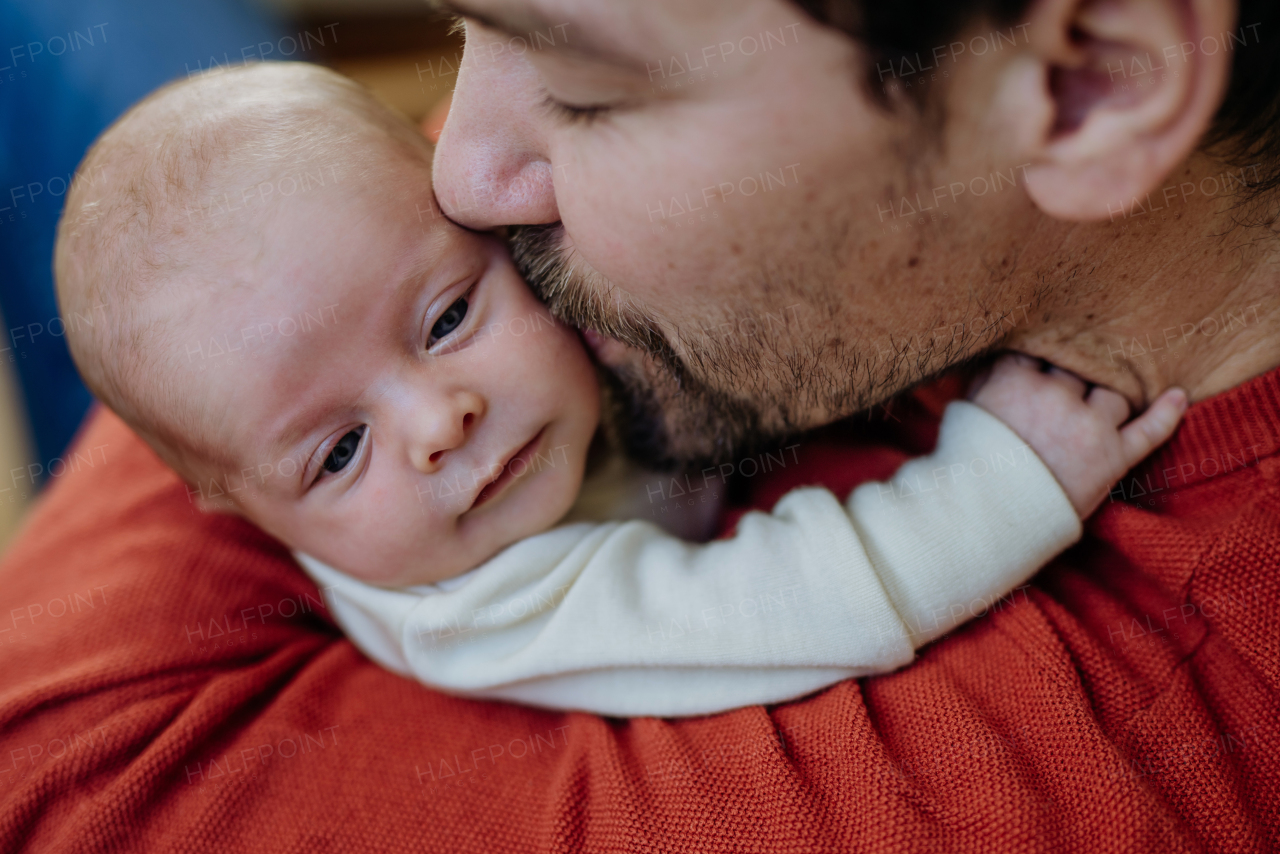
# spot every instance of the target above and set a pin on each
(505, 475)
(594, 340)
(607, 350)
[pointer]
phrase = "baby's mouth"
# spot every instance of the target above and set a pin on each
(506, 474)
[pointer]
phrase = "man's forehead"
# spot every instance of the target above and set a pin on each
(616, 30)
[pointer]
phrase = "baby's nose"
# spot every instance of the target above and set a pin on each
(444, 428)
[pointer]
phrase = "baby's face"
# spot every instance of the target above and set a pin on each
(402, 406)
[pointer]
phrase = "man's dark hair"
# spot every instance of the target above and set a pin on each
(1243, 133)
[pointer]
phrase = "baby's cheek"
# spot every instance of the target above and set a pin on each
(392, 539)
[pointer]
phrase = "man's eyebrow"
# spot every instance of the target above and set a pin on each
(525, 22)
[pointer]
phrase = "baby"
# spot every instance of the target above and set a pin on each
(419, 429)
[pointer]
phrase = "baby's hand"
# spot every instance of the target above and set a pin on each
(1078, 437)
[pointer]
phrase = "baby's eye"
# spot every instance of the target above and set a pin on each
(450, 320)
(344, 451)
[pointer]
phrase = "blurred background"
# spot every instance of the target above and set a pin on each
(68, 68)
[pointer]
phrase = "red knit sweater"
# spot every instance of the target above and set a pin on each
(171, 682)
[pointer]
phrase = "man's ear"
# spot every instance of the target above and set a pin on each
(1112, 95)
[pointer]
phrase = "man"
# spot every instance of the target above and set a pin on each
(786, 225)
(173, 684)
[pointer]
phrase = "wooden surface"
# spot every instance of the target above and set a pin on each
(15, 448)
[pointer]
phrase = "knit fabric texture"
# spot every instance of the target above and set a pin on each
(171, 682)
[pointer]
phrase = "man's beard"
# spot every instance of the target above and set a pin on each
(666, 419)
(691, 399)
(664, 413)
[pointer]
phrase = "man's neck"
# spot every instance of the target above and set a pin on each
(1176, 293)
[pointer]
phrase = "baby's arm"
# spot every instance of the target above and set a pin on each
(623, 619)
(1081, 449)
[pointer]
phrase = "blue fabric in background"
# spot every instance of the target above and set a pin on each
(68, 68)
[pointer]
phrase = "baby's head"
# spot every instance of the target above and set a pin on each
(286, 318)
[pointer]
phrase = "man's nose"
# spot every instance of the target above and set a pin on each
(491, 167)
(440, 425)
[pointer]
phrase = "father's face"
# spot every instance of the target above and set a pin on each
(707, 185)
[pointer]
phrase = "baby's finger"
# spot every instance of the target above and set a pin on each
(1010, 363)
(1068, 379)
(1004, 368)
(1021, 360)
(1111, 405)
(1152, 428)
